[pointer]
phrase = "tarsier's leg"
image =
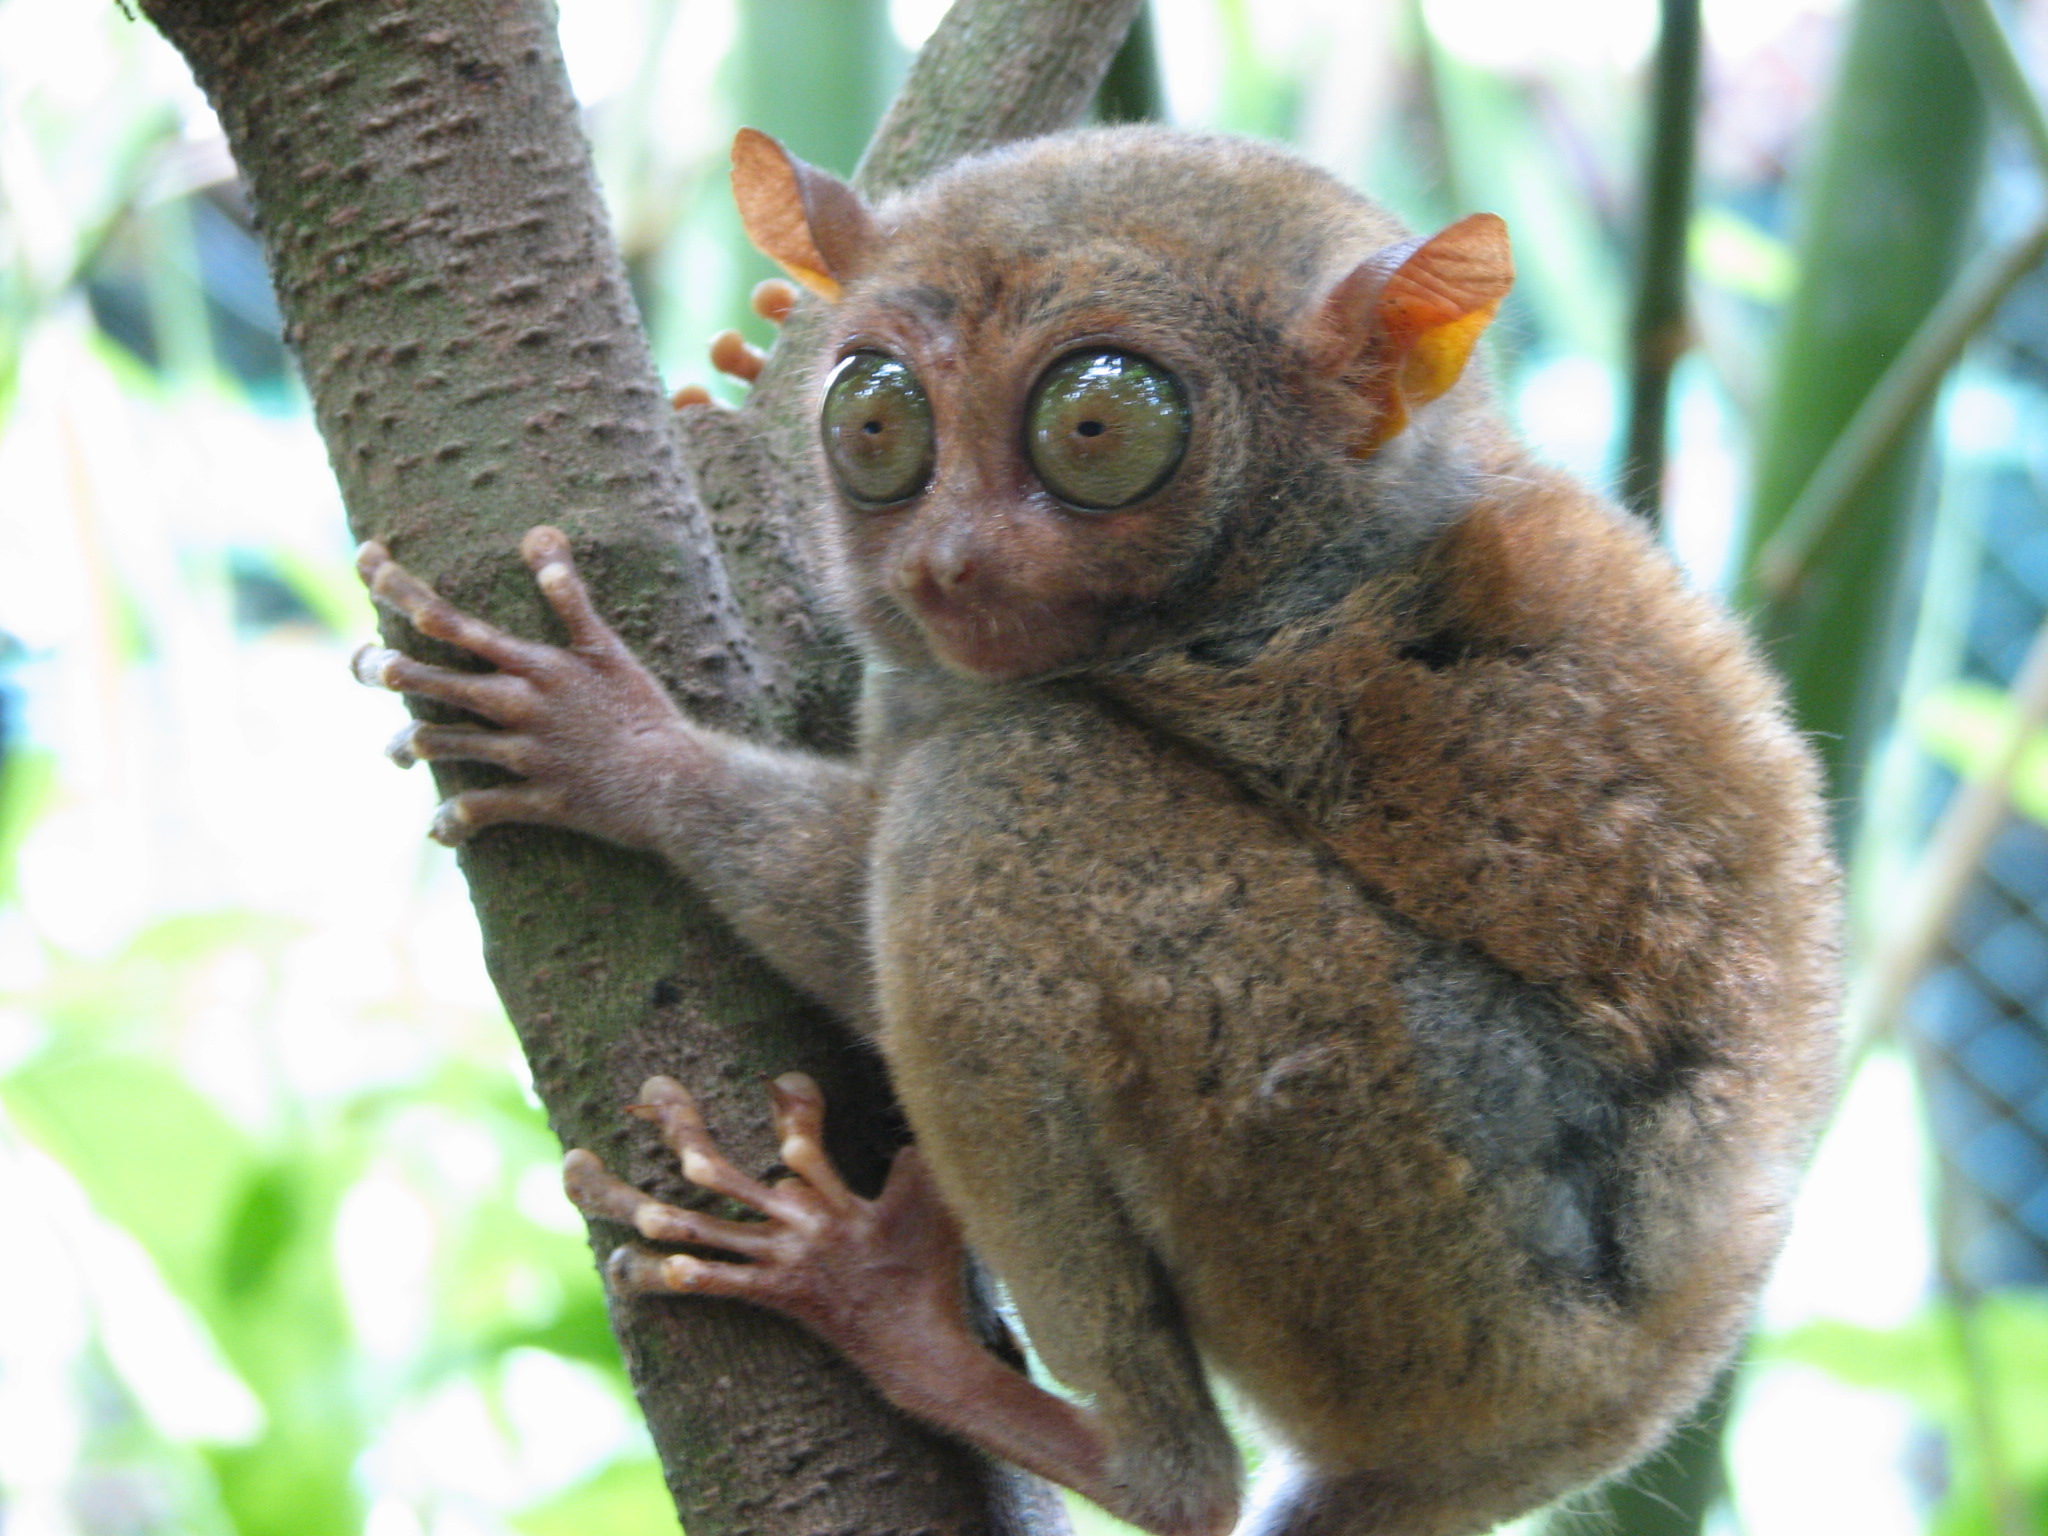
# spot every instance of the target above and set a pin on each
(881, 1280)
(1027, 1164)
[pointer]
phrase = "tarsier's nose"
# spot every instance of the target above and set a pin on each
(950, 569)
(941, 567)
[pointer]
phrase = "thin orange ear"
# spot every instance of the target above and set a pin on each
(1442, 297)
(1413, 313)
(807, 221)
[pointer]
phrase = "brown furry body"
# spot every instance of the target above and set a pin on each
(1219, 922)
(1352, 921)
(1556, 775)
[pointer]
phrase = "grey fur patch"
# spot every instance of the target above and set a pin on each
(1540, 1121)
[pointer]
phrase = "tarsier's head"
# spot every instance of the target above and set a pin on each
(1108, 391)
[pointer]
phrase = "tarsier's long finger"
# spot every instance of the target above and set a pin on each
(800, 1122)
(636, 1271)
(596, 1191)
(546, 553)
(494, 695)
(732, 353)
(689, 395)
(432, 614)
(421, 742)
(666, 1102)
(460, 817)
(774, 298)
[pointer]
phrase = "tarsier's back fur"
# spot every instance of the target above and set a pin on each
(1340, 914)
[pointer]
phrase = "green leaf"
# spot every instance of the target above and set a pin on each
(1914, 1361)
(1966, 726)
(245, 1240)
(580, 1330)
(328, 587)
(277, 1311)
(1926, 1363)
(265, 1220)
(153, 1155)
(28, 787)
(124, 1005)
(1725, 249)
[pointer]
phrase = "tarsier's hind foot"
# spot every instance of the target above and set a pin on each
(815, 1243)
(881, 1279)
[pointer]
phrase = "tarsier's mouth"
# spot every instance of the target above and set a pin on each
(997, 637)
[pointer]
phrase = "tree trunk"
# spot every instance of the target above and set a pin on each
(477, 366)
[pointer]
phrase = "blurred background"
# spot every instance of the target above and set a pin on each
(281, 1244)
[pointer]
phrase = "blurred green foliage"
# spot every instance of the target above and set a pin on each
(1965, 726)
(1929, 1362)
(242, 1225)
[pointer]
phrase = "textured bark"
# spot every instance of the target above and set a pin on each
(477, 366)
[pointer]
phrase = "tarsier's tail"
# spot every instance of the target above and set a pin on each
(1292, 1500)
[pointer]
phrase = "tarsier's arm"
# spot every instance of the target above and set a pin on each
(776, 840)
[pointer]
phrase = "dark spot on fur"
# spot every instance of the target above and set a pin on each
(1440, 651)
(1230, 650)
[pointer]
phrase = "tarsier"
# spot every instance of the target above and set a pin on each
(1342, 918)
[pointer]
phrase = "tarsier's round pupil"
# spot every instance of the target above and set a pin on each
(878, 429)
(1105, 429)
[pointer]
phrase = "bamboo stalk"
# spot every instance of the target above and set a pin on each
(1659, 332)
(1889, 409)
(1988, 46)
(1906, 386)
(1903, 132)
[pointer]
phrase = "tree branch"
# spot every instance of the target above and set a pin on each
(994, 72)
(476, 362)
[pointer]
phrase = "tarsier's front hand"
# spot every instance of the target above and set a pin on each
(598, 742)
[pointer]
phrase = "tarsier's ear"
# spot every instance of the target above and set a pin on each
(809, 222)
(1402, 323)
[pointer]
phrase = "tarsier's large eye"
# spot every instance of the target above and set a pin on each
(878, 429)
(1105, 429)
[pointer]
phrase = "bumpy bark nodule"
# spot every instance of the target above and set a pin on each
(477, 366)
